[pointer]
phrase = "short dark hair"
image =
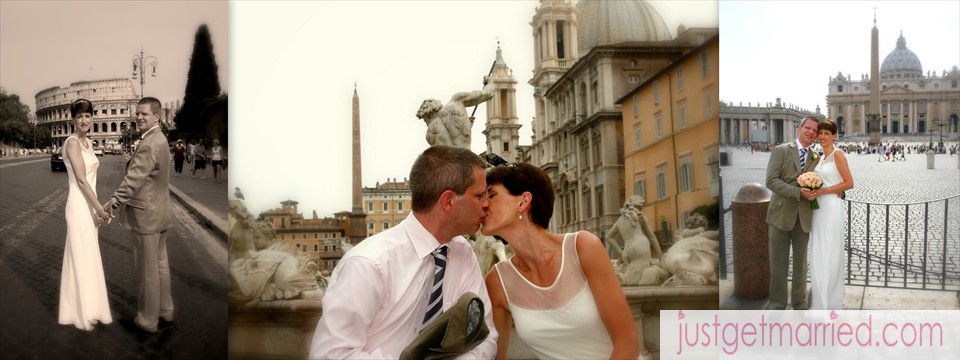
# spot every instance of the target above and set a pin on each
(811, 118)
(522, 177)
(155, 106)
(438, 169)
(828, 125)
(81, 106)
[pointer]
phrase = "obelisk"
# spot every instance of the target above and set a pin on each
(873, 117)
(358, 228)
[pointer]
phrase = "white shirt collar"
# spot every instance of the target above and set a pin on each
(423, 241)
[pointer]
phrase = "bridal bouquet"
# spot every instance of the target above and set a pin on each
(811, 181)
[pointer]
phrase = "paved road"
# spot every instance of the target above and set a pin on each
(928, 247)
(32, 237)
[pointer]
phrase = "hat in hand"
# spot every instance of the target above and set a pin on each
(458, 330)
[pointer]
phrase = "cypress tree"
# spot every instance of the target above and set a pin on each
(203, 86)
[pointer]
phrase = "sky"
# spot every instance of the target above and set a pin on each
(791, 49)
(54, 43)
(294, 66)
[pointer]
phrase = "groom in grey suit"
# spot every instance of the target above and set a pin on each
(789, 215)
(145, 192)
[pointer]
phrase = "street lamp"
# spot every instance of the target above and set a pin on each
(139, 68)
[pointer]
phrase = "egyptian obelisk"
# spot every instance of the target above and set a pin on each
(873, 117)
(358, 229)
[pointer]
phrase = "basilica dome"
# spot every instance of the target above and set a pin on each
(610, 22)
(901, 62)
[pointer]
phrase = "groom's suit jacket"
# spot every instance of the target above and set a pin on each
(786, 203)
(145, 188)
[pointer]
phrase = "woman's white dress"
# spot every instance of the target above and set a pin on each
(560, 321)
(83, 290)
(826, 242)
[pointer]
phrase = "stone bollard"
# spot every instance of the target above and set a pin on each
(751, 251)
(930, 159)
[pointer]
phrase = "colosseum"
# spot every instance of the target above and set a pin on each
(114, 101)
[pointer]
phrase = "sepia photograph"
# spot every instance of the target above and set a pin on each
(113, 138)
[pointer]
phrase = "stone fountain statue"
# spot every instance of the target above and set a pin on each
(639, 256)
(450, 124)
(261, 269)
(694, 257)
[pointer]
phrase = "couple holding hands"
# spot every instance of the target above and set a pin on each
(145, 192)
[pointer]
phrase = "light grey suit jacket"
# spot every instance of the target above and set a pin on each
(145, 189)
(786, 203)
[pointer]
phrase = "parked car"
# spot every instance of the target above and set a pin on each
(56, 160)
(98, 151)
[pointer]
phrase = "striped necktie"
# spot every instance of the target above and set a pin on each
(435, 303)
(803, 158)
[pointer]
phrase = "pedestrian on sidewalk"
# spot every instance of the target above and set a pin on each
(146, 193)
(83, 289)
(179, 154)
(200, 160)
(217, 155)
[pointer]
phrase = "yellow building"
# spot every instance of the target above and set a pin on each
(386, 204)
(671, 151)
(319, 238)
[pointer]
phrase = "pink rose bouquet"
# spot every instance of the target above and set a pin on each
(811, 181)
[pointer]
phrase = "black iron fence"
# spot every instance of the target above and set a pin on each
(913, 245)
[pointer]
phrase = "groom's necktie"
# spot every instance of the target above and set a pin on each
(435, 303)
(803, 158)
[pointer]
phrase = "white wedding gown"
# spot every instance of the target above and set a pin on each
(826, 242)
(83, 290)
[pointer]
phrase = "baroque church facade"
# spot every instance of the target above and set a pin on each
(912, 102)
(586, 57)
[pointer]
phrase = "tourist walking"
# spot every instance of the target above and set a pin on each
(179, 154)
(199, 160)
(217, 155)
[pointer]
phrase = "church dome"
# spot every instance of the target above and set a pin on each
(610, 22)
(901, 62)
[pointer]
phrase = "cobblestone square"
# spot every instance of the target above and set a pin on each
(903, 219)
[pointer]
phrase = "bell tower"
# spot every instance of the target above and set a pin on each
(503, 127)
(554, 52)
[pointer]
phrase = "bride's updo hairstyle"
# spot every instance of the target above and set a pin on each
(828, 125)
(523, 177)
(81, 106)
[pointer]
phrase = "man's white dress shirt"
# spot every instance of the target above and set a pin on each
(379, 290)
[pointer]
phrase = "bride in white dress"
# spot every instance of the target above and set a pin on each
(83, 290)
(826, 233)
(559, 289)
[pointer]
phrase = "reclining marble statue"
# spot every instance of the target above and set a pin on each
(694, 258)
(691, 260)
(450, 124)
(261, 269)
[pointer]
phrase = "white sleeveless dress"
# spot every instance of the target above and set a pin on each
(827, 241)
(83, 290)
(560, 321)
